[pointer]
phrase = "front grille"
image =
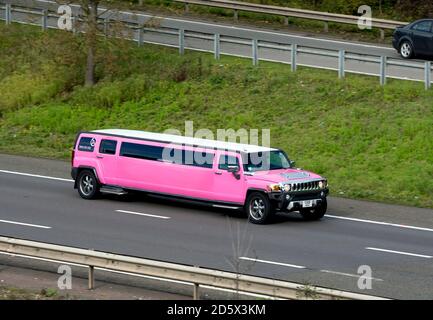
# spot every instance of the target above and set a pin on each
(305, 186)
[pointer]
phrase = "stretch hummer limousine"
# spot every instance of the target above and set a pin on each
(256, 179)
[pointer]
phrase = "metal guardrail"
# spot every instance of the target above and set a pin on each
(198, 276)
(292, 49)
(286, 12)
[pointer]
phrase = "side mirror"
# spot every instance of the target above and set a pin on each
(233, 168)
(292, 164)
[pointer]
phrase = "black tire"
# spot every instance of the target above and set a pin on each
(88, 186)
(315, 213)
(406, 50)
(259, 208)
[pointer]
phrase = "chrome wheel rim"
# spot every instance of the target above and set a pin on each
(87, 185)
(257, 208)
(405, 50)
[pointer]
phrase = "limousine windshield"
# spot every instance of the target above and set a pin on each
(263, 161)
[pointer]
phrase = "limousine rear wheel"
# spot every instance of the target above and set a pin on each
(88, 187)
(258, 207)
(315, 213)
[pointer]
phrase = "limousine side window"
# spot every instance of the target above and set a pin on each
(199, 159)
(108, 146)
(184, 157)
(225, 161)
(86, 144)
(141, 151)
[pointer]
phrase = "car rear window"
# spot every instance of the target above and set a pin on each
(86, 144)
(108, 146)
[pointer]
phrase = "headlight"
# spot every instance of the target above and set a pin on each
(323, 184)
(274, 187)
(287, 187)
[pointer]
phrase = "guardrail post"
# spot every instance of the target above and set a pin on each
(186, 7)
(382, 70)
(427, 75)
(341, 63)
(286, 21)
(8, 13)
(255, 45)
(181, 41)
(326, 26)
(140, 37)
(196, 293)
(382, 34)
(44, 19)
(293, 56)
(74, 26)
(91, 277)
(235, 14)
(106, 23)
(217, 46)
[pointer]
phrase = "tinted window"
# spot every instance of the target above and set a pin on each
(189, 157)
(141, 151)
(86, 144)
(178, 156)
(108, 146)
(423, 26)
(262, 161)
(225, 161)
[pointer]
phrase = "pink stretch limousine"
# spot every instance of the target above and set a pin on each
(256, 179)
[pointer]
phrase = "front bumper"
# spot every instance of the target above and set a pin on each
(292, 201)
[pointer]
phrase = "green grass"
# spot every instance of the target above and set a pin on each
(371, 142)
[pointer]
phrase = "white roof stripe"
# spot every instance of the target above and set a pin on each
(205, 143)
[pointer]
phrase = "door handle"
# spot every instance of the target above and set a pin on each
(218, 172)
(99, 157)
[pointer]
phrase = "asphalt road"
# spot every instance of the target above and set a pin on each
(326, 253)
(199, 36)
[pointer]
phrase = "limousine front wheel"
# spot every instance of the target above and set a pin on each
(316, 213)
(258, 207)
(87, 184)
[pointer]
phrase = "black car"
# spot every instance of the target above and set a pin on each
(415, 38)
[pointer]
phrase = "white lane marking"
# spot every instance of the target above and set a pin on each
(141, 276)
(143, 214)
(380, 223)
(25, 224)
(350, 275)
(36, 175)
(273, 262)
(400, 252)
(243, 29)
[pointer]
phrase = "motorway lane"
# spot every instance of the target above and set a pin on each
(201, 236)
(229, 32)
